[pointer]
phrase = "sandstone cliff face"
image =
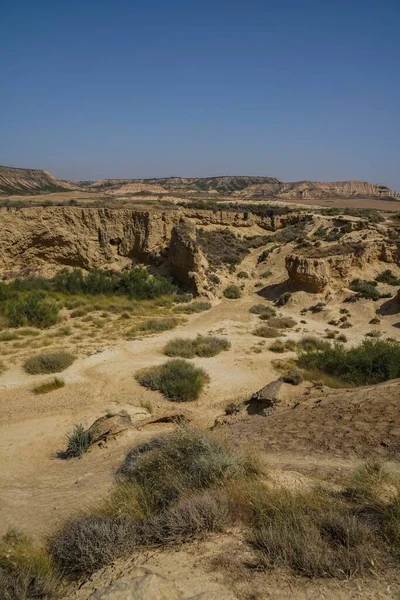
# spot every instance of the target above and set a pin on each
(42, 239)
(315, 273)
(186, 261)
(226, 218)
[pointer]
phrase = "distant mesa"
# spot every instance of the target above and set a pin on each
(15, 181)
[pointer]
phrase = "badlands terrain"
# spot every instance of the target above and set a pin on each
(264, 462)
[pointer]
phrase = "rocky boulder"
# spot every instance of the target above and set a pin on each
(108, 426)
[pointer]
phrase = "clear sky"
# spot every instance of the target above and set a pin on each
(296, 89)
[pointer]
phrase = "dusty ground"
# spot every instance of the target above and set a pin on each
(318, 432)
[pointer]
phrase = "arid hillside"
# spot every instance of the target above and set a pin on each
(29, 181)
(14, 181)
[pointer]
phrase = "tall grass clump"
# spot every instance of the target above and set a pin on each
(177, 379)
(26, 571)
(281, 322)
(53, 362)
(373, 361)
(204, 346)
(78, 442)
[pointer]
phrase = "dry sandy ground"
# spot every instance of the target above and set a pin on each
(39, 490)
(89, 197)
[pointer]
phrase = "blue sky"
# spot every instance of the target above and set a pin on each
(297, 89)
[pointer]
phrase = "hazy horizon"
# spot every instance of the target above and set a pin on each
(297, 91)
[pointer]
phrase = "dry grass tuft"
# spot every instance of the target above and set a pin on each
(204, 346)
(49, 386)
(48, 363)
(178, 380)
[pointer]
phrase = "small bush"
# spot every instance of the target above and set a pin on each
(309, 343)
(156, 325)
(266, 332)
(205, 346)
(194, 307)
(263, 310)
(185, 460)
(232, 292)
(281, 346)
(49, 386)
(48, 363)
(388, 277)
(282, 322)
(31, 309)
(373, 361)
(78, 442)
(243, 275)
(90, 542)
(178, 380)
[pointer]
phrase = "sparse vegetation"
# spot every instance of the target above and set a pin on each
(160, 324)
(281, 346)
(367, 289)
(281, 322)
(263, 310)
(53, 362)
(205, 346)
(49, 386)
(373, 361)
(222, 247)
(266, 332)
(388, 277)
(170, 491)
(177, 379)
(232, 292)
(194, 307)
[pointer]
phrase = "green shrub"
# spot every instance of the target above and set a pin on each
(373, 361)
(31, 309)
(243, 275)
(53, 362)
(49, 386)
(205, 346)
(266, 332)
(178, 380)
(232, 292)
(388, 277)
(263, 309)
(365, 289)
(78, 442)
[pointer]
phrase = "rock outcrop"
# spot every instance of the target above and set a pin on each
(45, 238)
(186, 261)
(314, 271)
